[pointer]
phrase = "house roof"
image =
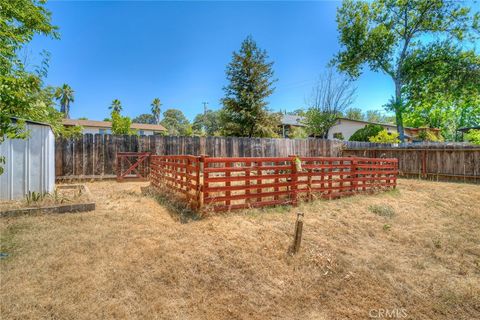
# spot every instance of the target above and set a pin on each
(108, 124)
(369, 122)
(466, 129)
(292, 120)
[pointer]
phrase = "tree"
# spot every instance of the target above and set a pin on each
(176, 123)
(156, 104)
(332, 94)
(297, 112)
(116, 106)
(297, 133)
(145, 118)
(121, 125)
(364, 134)
(374, 116)
(385, 34)
(207, 123)
(65, 96)
(473, 136)
(449, 99)
(250, 78)
(354, 114)
(22, 93)
(385, 137)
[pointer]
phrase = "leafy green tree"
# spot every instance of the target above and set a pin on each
(21, 91)
(297, 112)
(385, 137)
(250, 78)
(145, 118)
(65, 95)
(449, 99)
(298, 133)
(364, 134)
(386, 35)
(354, 114)
(207, 123)
(121, 124)
(156, 104)
(176, 123)
(374, 116)
(473, 136)
(116, 106)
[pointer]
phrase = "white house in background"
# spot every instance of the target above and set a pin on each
(344, 128)
(105, 127)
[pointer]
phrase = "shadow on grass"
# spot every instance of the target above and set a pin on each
(177, 206)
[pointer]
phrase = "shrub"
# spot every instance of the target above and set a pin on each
(426, 135)
(473, 136)
(382, 210)
(297, 133)
(385, 137)
(364, 134)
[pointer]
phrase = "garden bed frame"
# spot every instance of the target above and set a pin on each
(222, 184)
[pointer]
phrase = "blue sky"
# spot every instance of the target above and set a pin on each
(177, 51)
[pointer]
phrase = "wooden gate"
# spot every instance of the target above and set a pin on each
(132, 165)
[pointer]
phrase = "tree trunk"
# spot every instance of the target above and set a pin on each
(399, 110)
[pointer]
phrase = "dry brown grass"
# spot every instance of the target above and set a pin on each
(130, 259)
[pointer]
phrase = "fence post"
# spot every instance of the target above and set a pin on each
(294, 180)
(201, 194)
(353, 170)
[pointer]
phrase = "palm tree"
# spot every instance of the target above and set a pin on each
(116, 106)
(156, 109)
(64, 94)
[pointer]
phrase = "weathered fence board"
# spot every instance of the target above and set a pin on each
(436, 161)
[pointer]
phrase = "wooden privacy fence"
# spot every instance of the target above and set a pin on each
(94, 156)
(430, 161)
(221, 184)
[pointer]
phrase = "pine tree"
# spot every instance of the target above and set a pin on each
(250, 77)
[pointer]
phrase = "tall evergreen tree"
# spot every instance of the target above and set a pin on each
(250, 77)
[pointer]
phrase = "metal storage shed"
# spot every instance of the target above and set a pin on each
(30, 163)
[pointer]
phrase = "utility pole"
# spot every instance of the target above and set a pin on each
(205, 104)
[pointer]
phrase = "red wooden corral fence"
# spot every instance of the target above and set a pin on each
(220, 184)
(178, 173)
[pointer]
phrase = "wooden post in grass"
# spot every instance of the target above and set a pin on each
(293, 180)
(297, 238)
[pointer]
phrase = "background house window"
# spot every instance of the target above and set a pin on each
(141, 132)
(104, 131)
(338, 135)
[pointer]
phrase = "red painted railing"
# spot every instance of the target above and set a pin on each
(220, 184)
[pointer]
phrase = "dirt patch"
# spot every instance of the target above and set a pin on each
(131, 258)
(62, 195)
